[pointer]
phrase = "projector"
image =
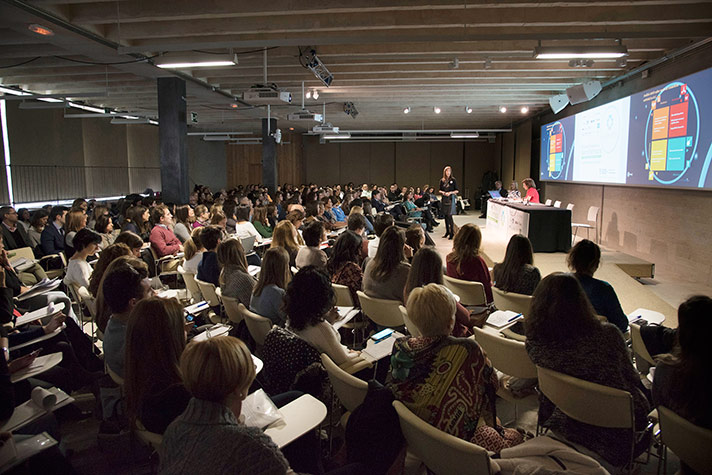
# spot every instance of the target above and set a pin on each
(267, 96)
(305, 115)
(325, 129)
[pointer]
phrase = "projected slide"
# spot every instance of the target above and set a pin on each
(659, 137)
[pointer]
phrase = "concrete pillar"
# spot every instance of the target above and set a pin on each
(172, 132)
(269, 154)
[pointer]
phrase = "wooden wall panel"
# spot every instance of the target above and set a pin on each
(412, 163)
(383, 163)
(355, 159)
(244, 162)
(441, 155)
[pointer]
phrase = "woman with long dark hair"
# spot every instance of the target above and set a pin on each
(344, 264)
(386, 274)
(465, 262)
(449, 191)
(268, 294)
(517, 272)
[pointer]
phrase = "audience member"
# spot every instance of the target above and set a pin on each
(345, 262)
(163, 241)
(194, 250)
(52, 239)
(268, 295)
(86, 242)
(103, 312)
(104, 226)
(517, 272)
(465, 262)
(76, 220)
(132, 240)
(137, 221)
(459, 397)
(155, 338)
(106, 257)
(14, 236)
(415, 237)
(261, 222)
(185, 217)
(285, 235)
(244, 228)
(37, 224)
(208, 268)
(584, 259)
(382, 222)
(385, 275)
(202, 216)
(235, 281)
(564, 335)
(313, 234)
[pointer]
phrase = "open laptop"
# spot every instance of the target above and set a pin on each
(495, 194)
(248, 244)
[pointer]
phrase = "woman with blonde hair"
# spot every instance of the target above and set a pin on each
(268, 294)
(445, 380)
(208, 437)
(219, 219)
(285, 235)
(76, 220)
(465, 262)
(193, 249)
(202, 216)
(155, 333)
(235, 281)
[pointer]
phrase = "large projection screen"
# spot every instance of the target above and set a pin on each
(661, 137)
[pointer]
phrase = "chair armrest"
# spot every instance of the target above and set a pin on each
(355, 365)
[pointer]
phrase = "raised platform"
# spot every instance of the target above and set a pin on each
(617, 268)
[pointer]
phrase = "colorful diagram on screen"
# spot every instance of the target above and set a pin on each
(671, 133)
(556, 149)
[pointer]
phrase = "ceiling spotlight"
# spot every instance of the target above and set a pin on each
(468, 110)
(291, 128)
(502, 109)
(40, 30)
(524, 109)
(406, 110)
(315, 94)
(436, 109)
(234, 106)
(308, 95)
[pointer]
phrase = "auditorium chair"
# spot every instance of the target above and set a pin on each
(382, 312)
(470, 293)
(257, 325)
(592, 218)
(343, 296)
(191, 285)
(232, 309)
(640, 350)
(548, 203)
(211, 294)
(689, 442)
(412, 329)
(511, 301)
(557, 204)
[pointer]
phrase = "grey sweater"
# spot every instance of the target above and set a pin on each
(207, 438)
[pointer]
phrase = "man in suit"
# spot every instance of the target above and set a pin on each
(14, 236)
(52, 238)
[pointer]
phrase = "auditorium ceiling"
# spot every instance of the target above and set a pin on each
(385, 55)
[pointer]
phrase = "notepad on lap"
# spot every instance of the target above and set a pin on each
(650, 316)
(502, 318)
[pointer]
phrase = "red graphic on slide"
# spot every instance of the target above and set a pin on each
(678, 120)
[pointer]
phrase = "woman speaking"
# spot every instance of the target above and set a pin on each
(448, 188)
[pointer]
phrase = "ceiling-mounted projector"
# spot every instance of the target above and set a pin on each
(583, 92)
(267, 96)
(558, 102)
(305, 115)
(325, 129)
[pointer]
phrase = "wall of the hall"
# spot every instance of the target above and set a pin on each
(670, 228)
(244, 162)
(206, 162)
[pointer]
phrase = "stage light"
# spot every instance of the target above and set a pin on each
(524, 109)
(40, 30)
(502, 109)
(314, 64)
(406, 110)
(308, 95)
(468, 110)
(315, 94)
(234, 106)
(436, 109)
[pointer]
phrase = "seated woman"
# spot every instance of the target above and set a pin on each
(243, 227)
(517, 272)
(427, 268)
(465, 262)
(86, 243)
(345, 263)
(309, 303)
(296, 217)
(156, 333)
(268, 294)
(532, 196)
(208, 437)
(106, 257)
(285, 236)
(416, 212)
(105, 227)
(415, 237)
(261, 222)
(563, 334)
(447, 381)
(235, 281)
(185, 217)
(583, 259)
(193, 249)
(137, 222)
(310, 255)
(202, 216)
(75, 221)
(386, 274)
(681, 380)
(37, 225)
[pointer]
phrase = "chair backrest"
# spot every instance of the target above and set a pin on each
(470, 293)
(639, 347)
(232, 309)
(248, 244)
(510, 301)
(343, 295)
(570, 206)
(557, 204)
(442, 453)
(508, 356)
(587, 402)
(25, 252)
(383, 312)
(209, 293)
(548, 203)
(258, 326)
(593, 214)
(690, 443)
(412, 329)
(350, 390)
(191, 284)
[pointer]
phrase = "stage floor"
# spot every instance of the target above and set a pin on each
(631, 293)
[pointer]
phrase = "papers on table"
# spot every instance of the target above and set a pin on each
(40, 313)
(196, 308)
(650, 316)
(41, 402)
(253, 270)
(502, 318)
(39, 339)
(376, 350)
(21, 264)
(44, 285)
(346, 314)
(38, 366)
(16, 451)
(180, 294)
(216, 330)
(264, 242)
